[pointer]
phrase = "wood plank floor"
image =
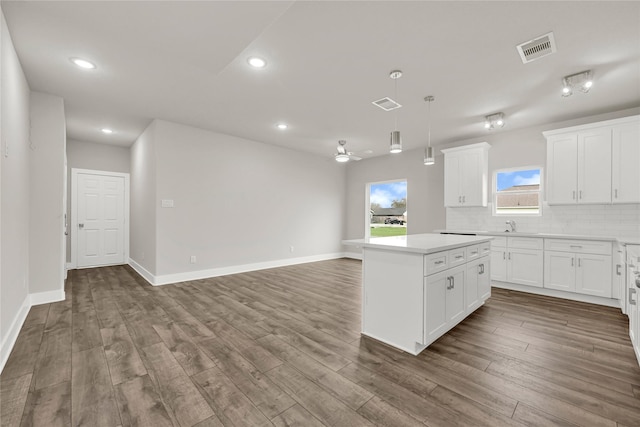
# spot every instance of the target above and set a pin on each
(282, 347)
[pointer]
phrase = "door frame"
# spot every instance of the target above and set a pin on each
(74, 211)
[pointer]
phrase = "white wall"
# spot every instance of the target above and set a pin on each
(142, 231)
(14, 204)
(528, 147)
(425, 190)
(238, 203)
(46, 210)
(89, 155)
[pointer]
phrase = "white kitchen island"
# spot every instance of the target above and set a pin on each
(415, 288)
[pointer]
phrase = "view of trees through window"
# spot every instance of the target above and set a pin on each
(517, 192)
(388, 209)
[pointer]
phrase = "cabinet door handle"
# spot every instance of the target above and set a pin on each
(504, 255)
(615, 193)
(618, 272)
(579, 263)
(572, 261)
(453, 282)
(464, 199)
(439, 262)
(575, 246)
(631, 292)
(581, 194)
(509, 255)
(459, 256)
(574, 195)
(459, 199)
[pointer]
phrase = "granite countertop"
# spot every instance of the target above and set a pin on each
(418, 243)
(623, 240)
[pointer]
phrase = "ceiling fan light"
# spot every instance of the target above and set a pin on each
(396, 142)
(342, 158)
(487, 124)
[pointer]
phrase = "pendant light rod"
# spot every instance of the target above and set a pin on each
(396, 140)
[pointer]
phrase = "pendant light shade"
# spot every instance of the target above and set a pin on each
(429, 158)
(396, 142)
(396, 139)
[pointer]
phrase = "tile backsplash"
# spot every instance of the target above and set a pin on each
(598, 220)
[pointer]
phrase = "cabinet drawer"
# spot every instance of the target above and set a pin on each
(457, 256)
(473, 252)
(485, 249)
(499, 242)
(436, 262)
(578, 246)
(525, 242)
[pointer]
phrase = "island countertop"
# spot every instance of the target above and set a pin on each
(418, 243)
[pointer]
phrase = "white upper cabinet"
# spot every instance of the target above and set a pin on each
(594, 163)
(625, 176)
(466, 171)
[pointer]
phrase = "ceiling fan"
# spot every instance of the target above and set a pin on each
(343, 155)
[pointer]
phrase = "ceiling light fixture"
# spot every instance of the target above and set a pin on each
(396, 139)
(107, 131)
(342, 157)
(257, 62)
(429, 158)
(282, 126)
(493, 121)
(83, 63)
(582, 81)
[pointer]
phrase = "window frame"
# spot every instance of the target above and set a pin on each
(495, 192)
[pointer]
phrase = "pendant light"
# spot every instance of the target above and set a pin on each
(429, 158)
(396, 139)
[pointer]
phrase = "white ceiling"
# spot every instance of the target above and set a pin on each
(327, 60)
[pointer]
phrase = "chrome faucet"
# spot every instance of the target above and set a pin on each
(512, 224)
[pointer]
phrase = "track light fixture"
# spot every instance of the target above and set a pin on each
(493, 121)
(580, 81)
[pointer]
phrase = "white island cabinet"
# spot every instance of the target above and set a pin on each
(415, 288)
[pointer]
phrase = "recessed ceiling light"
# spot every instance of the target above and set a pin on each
(256, 62)
(282, 126)
(83, 63)
(107, 131)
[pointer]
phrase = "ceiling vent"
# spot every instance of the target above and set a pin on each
(537, 48)
(387, 104)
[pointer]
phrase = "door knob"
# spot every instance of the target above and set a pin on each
(80, 225)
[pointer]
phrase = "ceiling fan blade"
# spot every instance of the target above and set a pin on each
(355, 158)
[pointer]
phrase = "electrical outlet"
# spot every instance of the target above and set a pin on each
(193, 259)
(6, 149)
(291, 249)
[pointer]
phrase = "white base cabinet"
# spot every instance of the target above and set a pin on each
(578, 266)
(517, 260)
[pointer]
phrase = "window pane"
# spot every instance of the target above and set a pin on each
(388, 209)
(518, 192)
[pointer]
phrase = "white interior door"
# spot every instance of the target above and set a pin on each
(100, 219)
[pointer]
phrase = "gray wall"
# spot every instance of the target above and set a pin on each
(89, 155)
(237, 201)
(46, 191)
(14, 192)
(142, 237)
(425, 190)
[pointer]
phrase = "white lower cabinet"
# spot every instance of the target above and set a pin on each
(517, 260)
(477, 283)
(578, 266)
(447, 286)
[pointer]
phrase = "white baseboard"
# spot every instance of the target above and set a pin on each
(143, 272)
(353, 255)
(558, 294)
(12, 335)
(167, 279)
(46, 297)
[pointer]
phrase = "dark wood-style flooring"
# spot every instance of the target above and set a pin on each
(282, 347)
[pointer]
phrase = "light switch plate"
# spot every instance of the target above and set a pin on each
(167, 203)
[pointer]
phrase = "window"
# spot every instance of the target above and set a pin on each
(387, 208)
(518, 191)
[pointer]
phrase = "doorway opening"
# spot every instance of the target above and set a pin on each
(386, 209)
